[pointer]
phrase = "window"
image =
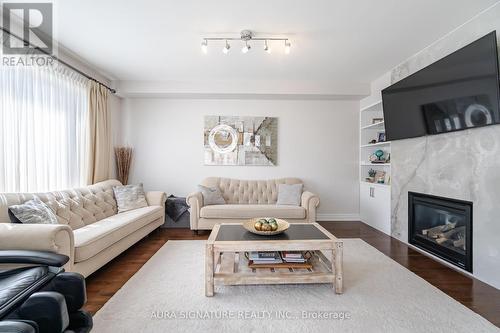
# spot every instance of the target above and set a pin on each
(43, 129)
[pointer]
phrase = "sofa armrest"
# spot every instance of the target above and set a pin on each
(195, 202)
(195, 199)
(309, 198)
(155, 198)
(33, 257)
(57, 238)
(310, 201)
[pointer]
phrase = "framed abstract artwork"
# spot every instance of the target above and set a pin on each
(240, 140)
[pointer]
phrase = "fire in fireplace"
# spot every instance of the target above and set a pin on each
(441, 226)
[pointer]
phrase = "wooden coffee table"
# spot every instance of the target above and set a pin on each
(226, 262)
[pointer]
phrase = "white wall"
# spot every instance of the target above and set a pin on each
(318, 142)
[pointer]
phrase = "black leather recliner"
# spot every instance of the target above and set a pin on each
(40, 297)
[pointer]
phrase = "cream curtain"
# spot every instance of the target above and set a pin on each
(99, 134)
(43, 128)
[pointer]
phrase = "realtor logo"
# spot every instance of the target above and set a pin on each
(31, 22)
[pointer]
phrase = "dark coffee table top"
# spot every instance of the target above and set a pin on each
(231, 232)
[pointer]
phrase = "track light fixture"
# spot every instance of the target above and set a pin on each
(267, 48)
(287, 46)
(226, 48)
(204, 46)
(245, 36)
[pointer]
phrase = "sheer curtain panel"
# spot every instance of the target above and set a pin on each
(43, 129)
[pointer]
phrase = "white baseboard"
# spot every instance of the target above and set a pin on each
(337, 217)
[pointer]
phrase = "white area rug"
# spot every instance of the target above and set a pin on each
(167, 295)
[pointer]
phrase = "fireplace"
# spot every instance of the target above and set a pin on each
(442, 227)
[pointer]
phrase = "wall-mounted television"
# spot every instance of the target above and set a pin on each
(458, 92)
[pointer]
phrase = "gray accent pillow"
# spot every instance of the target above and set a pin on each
(129, 197)
(211, 195)
(33, 211)
(289, 194)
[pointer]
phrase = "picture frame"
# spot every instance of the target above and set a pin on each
(240, 140)
(380, 177)
(377, 120)
(381, 137)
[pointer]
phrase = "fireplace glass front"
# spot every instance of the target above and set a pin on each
(441, 226)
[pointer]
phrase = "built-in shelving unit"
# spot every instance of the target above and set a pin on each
(374, 164)
(376, 185)
(372, 126)
(380, 126)
(374, 198)
(375, 144)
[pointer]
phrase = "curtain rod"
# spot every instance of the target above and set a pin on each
(113, 91)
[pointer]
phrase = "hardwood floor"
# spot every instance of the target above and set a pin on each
(476, 295)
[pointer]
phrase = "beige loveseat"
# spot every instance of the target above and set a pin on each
(90, 231)
(247, 199)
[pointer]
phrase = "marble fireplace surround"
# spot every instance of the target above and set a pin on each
(462, 165)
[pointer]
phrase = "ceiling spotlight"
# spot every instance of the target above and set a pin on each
(267, 48)
(204, 46)
(246, 48)
(287, 47)
(226, 48)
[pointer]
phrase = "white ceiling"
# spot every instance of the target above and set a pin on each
(332, 40)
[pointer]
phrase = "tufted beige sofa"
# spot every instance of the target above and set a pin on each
(247, 199)
(90, 231)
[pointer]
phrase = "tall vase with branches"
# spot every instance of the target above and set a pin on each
(123, 159)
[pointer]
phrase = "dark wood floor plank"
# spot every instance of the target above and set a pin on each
(476, 295)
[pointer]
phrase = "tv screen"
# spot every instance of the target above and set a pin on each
(458, 92)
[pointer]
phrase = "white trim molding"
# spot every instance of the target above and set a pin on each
(337, 217)
(242, 89)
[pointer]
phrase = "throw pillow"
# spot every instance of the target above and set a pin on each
(33, 211)
(211, 195)
(12, 217)
(289, 194)
(130, 197)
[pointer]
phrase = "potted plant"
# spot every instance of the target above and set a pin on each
(371, 176)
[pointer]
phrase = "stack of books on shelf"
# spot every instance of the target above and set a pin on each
(261, 257)
(279, 259)
(276, 257)
(293, 256)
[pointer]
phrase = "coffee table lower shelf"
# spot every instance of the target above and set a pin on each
(231, 268)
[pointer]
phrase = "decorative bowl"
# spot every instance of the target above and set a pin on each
(282, 226)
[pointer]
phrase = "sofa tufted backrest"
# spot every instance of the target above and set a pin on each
(249, 192)
(75, 207)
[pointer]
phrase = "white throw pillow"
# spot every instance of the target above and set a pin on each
(289, 194)
(211, 195)
(33, 211)
(129, 197)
